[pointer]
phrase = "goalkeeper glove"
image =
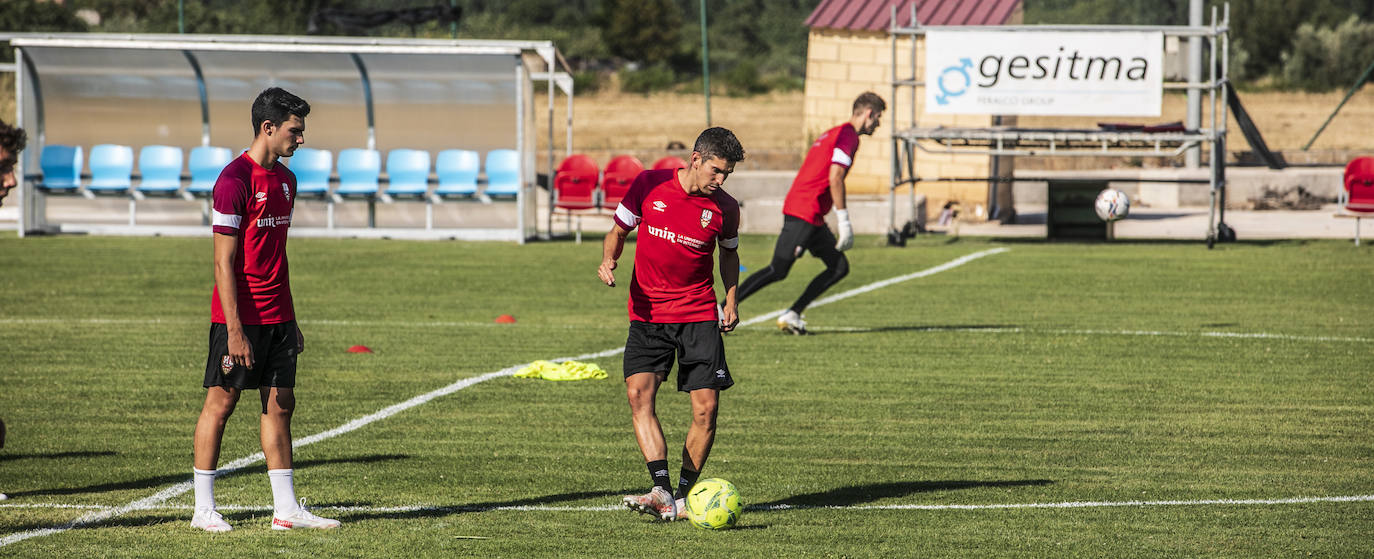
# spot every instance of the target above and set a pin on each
(846, 240)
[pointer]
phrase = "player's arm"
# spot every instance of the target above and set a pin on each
(837, 195)
(226, 250)
(611, 248)
(729, 279)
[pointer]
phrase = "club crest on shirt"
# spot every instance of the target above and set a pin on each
(659, 205)
(705, 218)
(286, 191)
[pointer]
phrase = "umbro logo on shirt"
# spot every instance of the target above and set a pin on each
(720, 373)
(262, 196)
(659, 205)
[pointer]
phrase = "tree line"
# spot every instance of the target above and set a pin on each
(755, 45)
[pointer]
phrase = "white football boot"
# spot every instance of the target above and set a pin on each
(792, 322)
(657, 503)
(209, 520)
(302, 519)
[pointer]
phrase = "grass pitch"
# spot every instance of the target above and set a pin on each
(1172, 400)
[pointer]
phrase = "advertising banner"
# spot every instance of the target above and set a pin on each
(1073, 73)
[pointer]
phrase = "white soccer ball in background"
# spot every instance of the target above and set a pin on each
(1112, 204)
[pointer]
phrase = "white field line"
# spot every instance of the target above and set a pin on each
(782, 507)
(178, 489)
(1067, 332)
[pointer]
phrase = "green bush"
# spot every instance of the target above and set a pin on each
(744, 79)
(646, 80)
(587, 81)
(1326, 58)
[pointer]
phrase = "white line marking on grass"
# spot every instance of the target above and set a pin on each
(881, 284)
(1019, 330)
(180, 488)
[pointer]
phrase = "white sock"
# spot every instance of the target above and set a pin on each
(205, 488)
(283, 492)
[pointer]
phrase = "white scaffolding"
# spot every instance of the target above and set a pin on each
(908, 135)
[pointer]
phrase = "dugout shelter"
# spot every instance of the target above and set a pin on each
(366, 94)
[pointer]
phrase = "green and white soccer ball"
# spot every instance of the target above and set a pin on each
(714, 504)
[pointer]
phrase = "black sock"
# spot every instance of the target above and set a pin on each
(658, 469)
(686, 479)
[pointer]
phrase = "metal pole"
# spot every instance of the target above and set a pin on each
(181, 16)
(705, 64)
(453, 25)
(1348, 94)
(1193, 157)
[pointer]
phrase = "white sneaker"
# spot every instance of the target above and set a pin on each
(657, 503)
(792, 322)
(681, 508)
(302, 519)
(210, 520)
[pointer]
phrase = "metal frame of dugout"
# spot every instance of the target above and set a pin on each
(908, 136)
(195, 90)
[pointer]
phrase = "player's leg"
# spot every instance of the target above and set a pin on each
(278, 396)
(822, 246)
(791, 243)
(702, 374)
(223, 385)
(648, 357)
(214, 413)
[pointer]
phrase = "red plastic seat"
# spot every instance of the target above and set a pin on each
(1358, 197)
(1359, 185)
(670, 162)
(620, 172)
(575, 183)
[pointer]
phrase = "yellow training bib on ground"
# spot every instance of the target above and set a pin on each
(567, 370)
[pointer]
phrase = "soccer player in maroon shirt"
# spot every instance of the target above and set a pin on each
(818, 186)
(12, 140)
(682, 214)
(254, 339)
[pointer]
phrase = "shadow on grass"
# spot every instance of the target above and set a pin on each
(57, 455)
(859, 494)
(169, 479)
(446, 510)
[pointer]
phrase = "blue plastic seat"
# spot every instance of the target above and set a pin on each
(205, 163)
(112, 168)
(61, 168)
(503, 172)
(457, 170)
(359, 170)
(407, 171)
(311, 167)
(159, 168)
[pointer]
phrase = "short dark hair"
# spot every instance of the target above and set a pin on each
(276, 105)
(869, 100)
(719, 142)
(12, 140)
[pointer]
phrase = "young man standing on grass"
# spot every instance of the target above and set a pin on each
(254, 339)
(12, 140)
(818, 186)
(672, 304)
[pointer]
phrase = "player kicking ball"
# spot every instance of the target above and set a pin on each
(682, 215)
(254, 339)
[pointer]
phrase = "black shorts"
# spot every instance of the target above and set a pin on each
(698, 347)
(274, 357)
(800, 235)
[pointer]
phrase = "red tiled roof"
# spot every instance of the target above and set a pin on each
(875, 15)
